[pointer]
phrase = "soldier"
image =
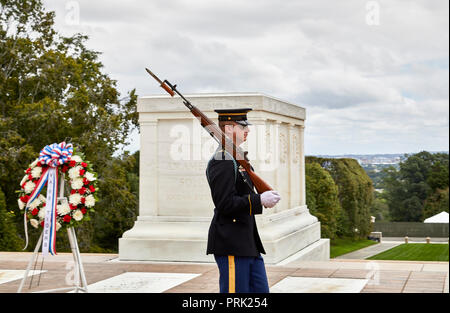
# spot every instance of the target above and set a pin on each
(233, 236)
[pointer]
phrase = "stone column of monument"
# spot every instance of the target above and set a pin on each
(175, 205)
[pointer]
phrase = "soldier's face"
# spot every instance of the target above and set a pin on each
(238, 132)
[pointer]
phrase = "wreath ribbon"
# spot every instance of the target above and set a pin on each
(52, 155)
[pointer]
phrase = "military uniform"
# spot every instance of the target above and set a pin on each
(233, 235)
(233, 228)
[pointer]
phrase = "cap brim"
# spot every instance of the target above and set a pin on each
(243, 123)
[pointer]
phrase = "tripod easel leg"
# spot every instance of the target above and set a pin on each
(30, 263)
(77, 259)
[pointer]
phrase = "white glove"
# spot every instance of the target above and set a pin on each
(270, 198)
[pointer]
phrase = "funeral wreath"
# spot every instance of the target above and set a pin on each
(80, 188)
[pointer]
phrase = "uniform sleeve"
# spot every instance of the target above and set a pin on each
(224, 193)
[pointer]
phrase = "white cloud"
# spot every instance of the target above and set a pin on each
(380, 88)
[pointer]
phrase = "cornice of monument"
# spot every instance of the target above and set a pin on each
(208, 102)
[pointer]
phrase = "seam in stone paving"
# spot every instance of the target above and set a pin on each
(406, 281)
(445, 281)
(329, 276)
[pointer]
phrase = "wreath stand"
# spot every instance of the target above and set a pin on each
(79, 270)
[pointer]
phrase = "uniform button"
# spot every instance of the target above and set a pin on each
(234, 220)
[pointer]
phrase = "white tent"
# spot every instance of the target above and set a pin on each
(438, 218)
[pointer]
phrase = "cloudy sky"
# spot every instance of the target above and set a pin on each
(372, 75)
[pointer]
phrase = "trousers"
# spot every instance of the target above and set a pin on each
(242, 274)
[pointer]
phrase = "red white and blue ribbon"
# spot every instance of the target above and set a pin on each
(49, 237)
(52, 155)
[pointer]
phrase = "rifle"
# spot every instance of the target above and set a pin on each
(238, 154)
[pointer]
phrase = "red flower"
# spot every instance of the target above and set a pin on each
(67, 218)
(24, 198)
(73, 191)
(84, 164)
(83, 210)
(83, 200)
(82, 172)
(30, 177)
(42, 223)
(92, 188)
(72, 163)
(82, 191)
(64, 168)
(35, 211)
(85, 181)
(72, 207)
(28, 170)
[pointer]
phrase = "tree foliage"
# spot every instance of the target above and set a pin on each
(8, 234)
(119, 202)
(418, 189)
(52, 89)
(322, 199)
(355, 194)
(380, 209)
(436, 203)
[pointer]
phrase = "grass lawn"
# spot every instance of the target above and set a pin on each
(341, 246)
(415, 252)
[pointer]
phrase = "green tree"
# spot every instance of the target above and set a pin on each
(9, 241)
(355, 190)
(380, 208)
(52, 88)
(418, 181)
(322, 199)
(436, 203)
(117, 188)
(438, 176)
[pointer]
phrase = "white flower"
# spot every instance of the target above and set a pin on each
(75, 199)
(76, 158)
(77, 215)
(24, 179)
(34, 223)
(29, 186)
(42, 198)
(74, 172)
(89, 176)
(58, 226)
(63, 208)
(77, 183)
(36, 172)
(36, 202)
(41, 214)
(90, 201)
(35, 162)
(21, 204)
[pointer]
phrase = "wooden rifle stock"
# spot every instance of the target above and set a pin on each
(238, 154)
(260, 185)
(167, 88)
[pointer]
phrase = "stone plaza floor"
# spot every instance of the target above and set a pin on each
(105, 273)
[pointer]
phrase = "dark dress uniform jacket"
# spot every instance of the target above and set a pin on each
(233, 228)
